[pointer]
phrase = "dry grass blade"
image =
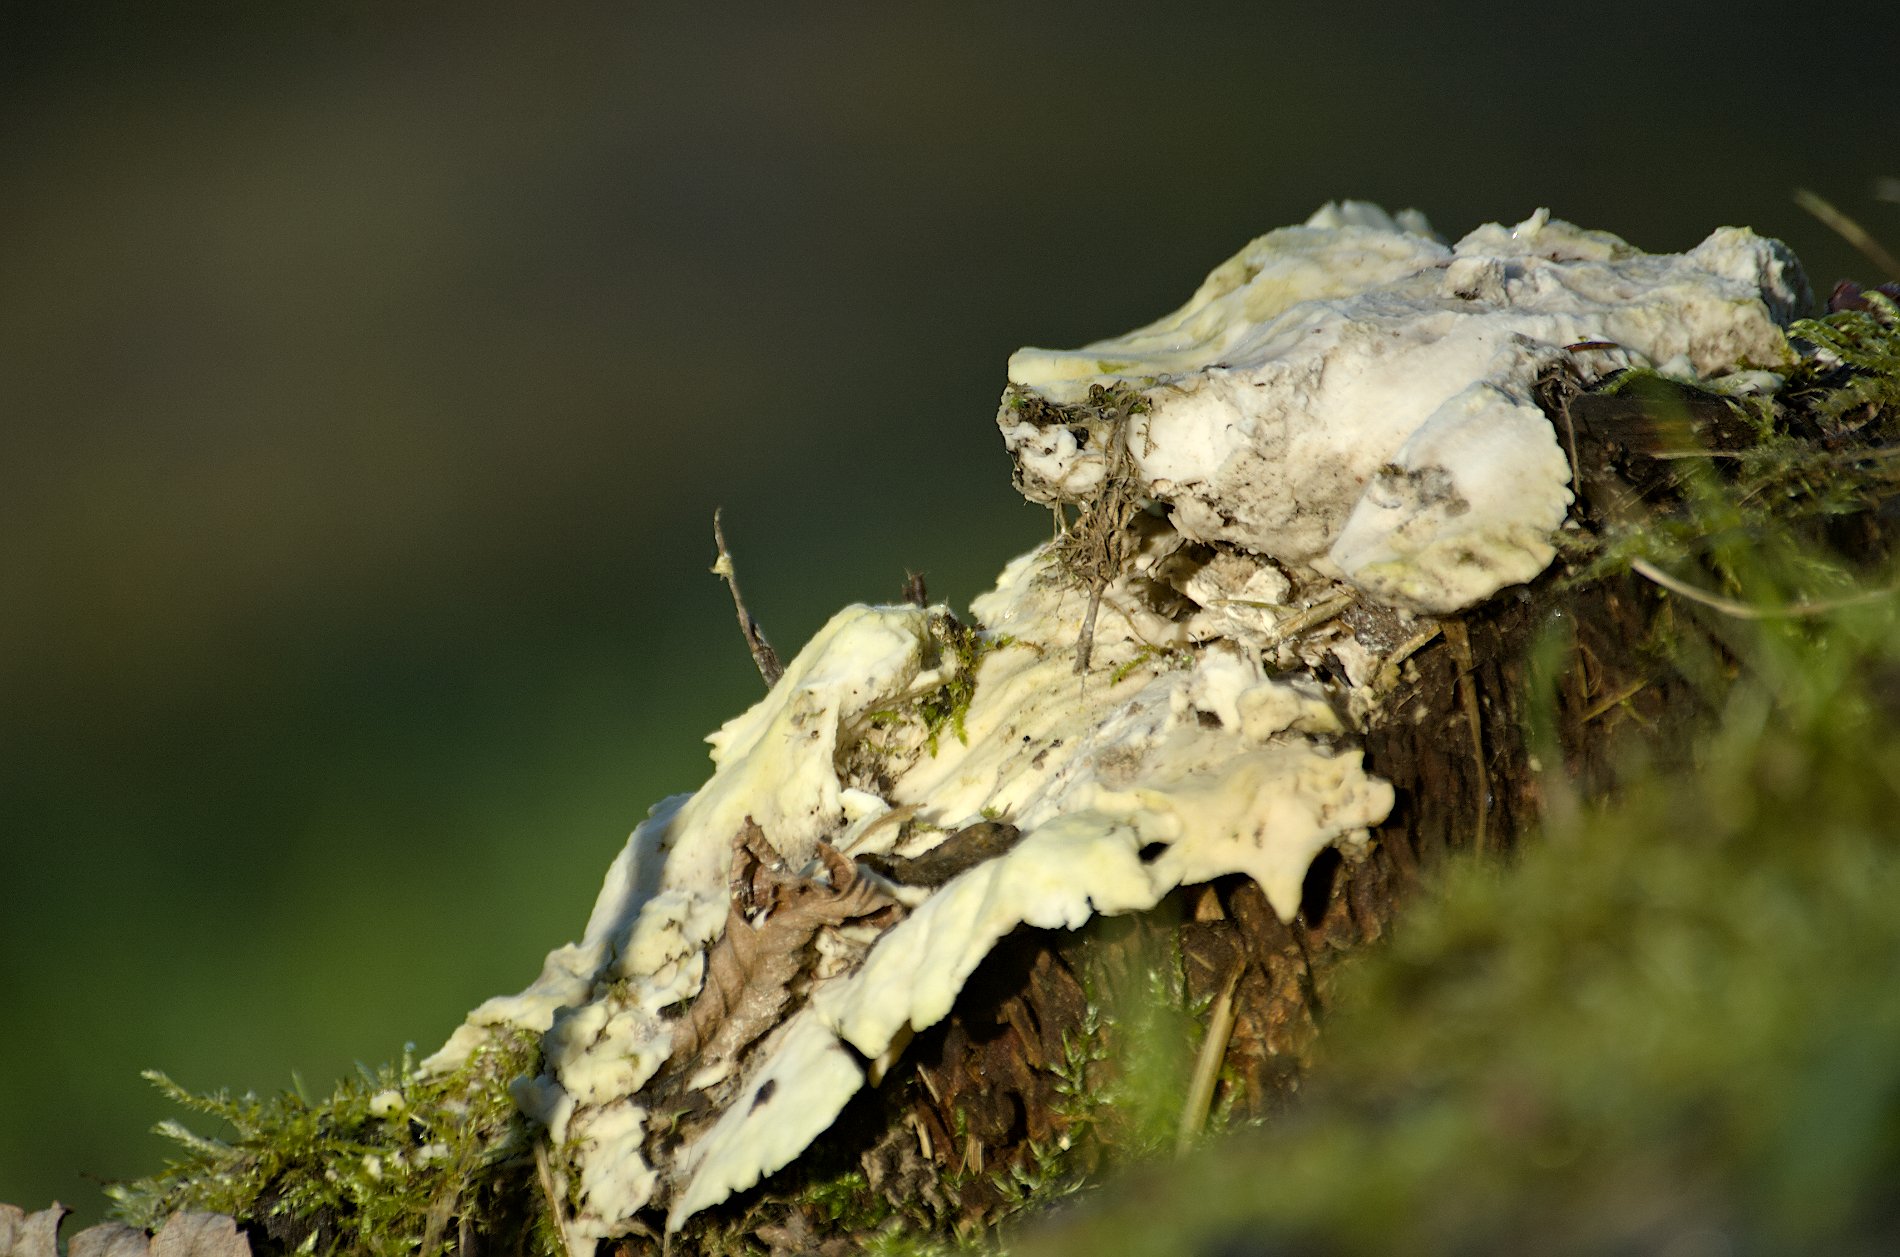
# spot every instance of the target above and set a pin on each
(1200, 1097)
(1748, 611)
(1849, 230)
(1309, 618)
(1459, 639)
(556, 1199)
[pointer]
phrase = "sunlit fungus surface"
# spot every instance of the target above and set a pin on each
(1342, 416)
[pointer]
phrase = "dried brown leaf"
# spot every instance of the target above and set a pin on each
(750, 972)
(200, 1235)
(796, 1237)
(110, 1239)
(25, 1234)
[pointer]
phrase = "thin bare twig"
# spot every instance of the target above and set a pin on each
(763, 656)
(1085, 641)
(1300, 621)
(1848, 230)
(916, 593)
(1566, 385)
(1743, 610)
(1099, 545)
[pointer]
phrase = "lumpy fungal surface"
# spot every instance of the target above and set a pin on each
(1341, 419)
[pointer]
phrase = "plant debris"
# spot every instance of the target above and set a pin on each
(763, 656)
(770, 931)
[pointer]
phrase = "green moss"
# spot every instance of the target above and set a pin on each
(391, 1162)
(958, 649)
(1105, 403)
(1753, 512)
(1866, 346)
(845, 1200)
(1156, 656)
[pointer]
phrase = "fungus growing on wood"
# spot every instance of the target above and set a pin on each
(1353, 399)
(1275, 488)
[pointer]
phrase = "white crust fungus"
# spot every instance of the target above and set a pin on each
(1341, 415)
(1353, 397)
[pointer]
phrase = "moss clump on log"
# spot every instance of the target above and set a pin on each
(389, 1163)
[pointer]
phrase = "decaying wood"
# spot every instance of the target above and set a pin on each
(989, 1093)
(964, 850)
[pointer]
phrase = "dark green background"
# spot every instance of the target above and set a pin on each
(367, 383)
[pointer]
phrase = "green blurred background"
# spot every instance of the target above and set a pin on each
(369, 374)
